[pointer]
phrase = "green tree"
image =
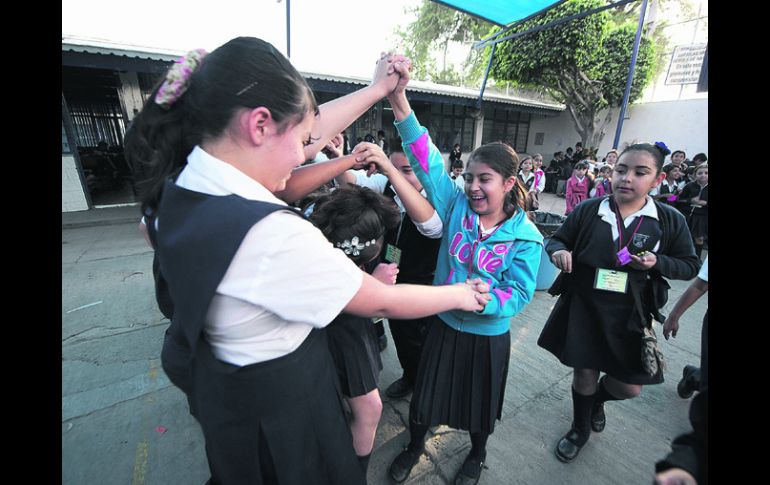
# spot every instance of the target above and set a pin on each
(582, 63)
(428, 39)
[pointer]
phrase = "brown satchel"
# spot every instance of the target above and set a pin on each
(652, 356)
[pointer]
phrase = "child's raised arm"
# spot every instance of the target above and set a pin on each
(423, 155)
(339, 113)
(417, 207)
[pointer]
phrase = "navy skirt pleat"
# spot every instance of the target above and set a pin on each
(461, 379)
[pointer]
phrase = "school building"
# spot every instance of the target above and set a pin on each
(105, 85)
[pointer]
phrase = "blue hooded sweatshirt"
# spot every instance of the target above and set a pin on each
(508, 259)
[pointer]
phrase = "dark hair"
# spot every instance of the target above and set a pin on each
(581, 165)
(678, 151)
(658, 153)
(501, 158)
(246, 72)
(369, 138)
(668, 168)
(457, 163)
(381, 132)
(354, 211)
(569, 150)
(700, 156)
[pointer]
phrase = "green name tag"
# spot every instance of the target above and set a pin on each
(392, 254)
(611, 280)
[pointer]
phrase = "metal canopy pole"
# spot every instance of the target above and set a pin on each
(630, 77)
(486, 75)
(288, 29)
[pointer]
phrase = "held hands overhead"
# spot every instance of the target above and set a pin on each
(388, 72)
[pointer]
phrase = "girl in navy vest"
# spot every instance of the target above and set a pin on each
(613, 253)
(254, 284)
(464, 364)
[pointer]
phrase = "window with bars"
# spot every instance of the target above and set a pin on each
(508, 126)
(449, 124)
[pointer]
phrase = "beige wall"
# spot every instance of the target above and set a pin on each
(681, 125)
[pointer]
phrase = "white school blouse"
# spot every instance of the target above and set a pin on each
(285, 278)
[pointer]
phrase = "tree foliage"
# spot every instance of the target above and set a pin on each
(582, 63)
(428, 39)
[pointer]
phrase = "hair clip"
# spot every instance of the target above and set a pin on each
(178, 78)
(663, 147)
(353, 246)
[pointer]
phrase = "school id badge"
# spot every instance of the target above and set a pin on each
(392, 254)
(611, 280)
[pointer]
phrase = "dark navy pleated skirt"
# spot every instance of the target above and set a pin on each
(356, 352)
(461, 379)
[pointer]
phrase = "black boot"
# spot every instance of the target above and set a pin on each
(569, 445)
(598, 418)
(689, 383)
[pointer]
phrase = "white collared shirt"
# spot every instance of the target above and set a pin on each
(608, 216)
(285, 278)
(673, 187)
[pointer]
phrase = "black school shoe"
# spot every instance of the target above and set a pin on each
(470, 472)
(686, 386)
(567, 448)
(403, 464)
(399, 388)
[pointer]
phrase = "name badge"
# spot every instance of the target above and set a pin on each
(392, 254)
(611, 280)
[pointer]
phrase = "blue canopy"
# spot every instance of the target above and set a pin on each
(501, 12)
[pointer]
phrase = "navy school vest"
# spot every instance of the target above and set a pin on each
(197, 239)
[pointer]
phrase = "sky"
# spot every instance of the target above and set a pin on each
(343, 37)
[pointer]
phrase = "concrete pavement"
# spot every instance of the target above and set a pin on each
(123, 422)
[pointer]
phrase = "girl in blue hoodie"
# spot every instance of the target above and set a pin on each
(464, 365)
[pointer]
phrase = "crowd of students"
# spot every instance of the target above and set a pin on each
(271, 270)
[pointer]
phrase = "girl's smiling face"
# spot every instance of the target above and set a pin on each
(486, 189)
